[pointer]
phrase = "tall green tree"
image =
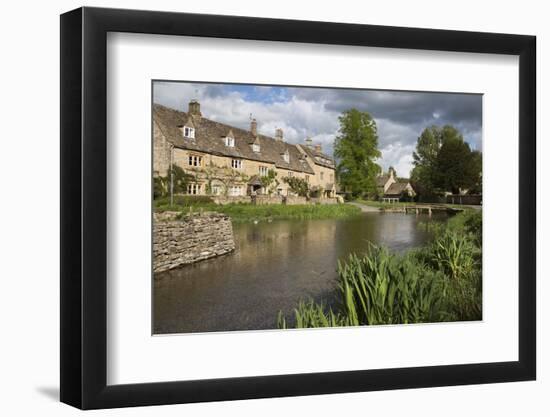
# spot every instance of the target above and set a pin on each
(356, 149)
(477, 169)
(455, 167)
(424, 159)
(443, 161)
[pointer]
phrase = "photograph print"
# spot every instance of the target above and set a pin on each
(285, 207)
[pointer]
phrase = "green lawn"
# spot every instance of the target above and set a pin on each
(252, 213)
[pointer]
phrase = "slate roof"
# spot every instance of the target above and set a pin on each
(397, 188)
(317, 157)
(382, 180)
(209, 138)
(255, 180)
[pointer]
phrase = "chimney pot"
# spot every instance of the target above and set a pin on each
(254, 127)
(279, 134)
(308, 142)
(318, 147)
(195, 108)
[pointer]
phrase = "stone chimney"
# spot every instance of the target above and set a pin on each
(279, 134)
(309, 142)
(254, 127)
(318, 148)
(195, 108)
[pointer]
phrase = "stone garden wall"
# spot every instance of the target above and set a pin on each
(262, 199)
(221, 199)
(293, 200)
(326, 200)
(277, 199)
(193, 238)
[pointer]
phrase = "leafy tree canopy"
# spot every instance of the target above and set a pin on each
(298, 185)
(443, 161)
(356, 148)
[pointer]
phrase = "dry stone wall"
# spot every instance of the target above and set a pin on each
(193, 238)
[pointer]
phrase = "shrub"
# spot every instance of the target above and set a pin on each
(160, 187)
(298, 185)
(468, 222)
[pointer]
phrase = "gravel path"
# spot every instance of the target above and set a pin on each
(364, 208)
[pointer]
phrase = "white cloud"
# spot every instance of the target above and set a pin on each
(399, 156)
(303, 112)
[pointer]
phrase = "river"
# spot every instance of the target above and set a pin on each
(274, 266)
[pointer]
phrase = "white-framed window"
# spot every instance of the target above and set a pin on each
(255, 147)
(193, 188)
(230, 142)
(234, 190)
(236, 163)
(188, 132)
(286, 157)
(264, 170)
(195, 160)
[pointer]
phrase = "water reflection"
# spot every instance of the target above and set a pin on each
(273, 267)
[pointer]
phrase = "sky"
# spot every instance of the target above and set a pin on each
(308, 111)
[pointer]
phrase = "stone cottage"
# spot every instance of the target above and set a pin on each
(227, 160)
(392, 189)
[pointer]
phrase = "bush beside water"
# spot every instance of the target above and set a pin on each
(440, 282)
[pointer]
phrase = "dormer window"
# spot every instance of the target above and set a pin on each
(188, 132)
(255, 147)
(286, 157)
(230, 142)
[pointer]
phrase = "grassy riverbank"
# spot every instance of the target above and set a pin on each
(440, 282)
(401, 204)
(252, 213)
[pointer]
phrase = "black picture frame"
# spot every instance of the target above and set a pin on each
(84, 207)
